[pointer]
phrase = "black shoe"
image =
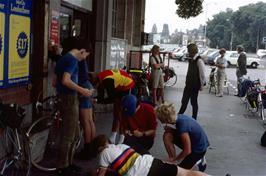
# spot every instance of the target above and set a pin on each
(63, 171)
(75, 168)
(237, 95)
(84, 155)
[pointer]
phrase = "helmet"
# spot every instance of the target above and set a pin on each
(129, 105)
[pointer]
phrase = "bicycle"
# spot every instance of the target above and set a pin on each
(16, 159)
(170, 77)
(43, 135)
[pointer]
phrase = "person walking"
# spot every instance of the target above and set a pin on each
(67, 87)
(116, 84)
(221, 64)
(156, 64)
(140, 124)
(241, 67)
(188, 135)
(195, 80)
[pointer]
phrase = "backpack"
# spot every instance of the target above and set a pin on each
(157, 62)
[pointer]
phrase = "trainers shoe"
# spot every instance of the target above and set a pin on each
(202, 165)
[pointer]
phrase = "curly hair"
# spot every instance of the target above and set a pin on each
(166, 113)
(98, 143)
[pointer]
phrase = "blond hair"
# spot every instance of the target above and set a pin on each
(166, 113)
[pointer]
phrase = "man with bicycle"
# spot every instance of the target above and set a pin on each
(67, 88)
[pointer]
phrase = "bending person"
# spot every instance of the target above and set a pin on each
(139, 124)
(188, 136)
(116, 83)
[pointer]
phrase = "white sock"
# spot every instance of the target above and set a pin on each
(121, 139)
(113, 137)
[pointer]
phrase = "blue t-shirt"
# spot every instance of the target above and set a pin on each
(84, 75)
(68, 63)
(198, 138)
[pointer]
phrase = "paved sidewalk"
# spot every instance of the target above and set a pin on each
(234, 134)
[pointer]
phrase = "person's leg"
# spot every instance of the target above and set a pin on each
(222, 83)
(219, 84)
(69, 111)
(190, 160)
(194, 102)
(168, 139)
(117, 127)
(185, 172)
(87, 124)
(161, 86)
(184, 101)
(155, 84)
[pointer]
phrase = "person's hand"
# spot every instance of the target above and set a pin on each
(137, 133)
(87, 92)
(128, 132)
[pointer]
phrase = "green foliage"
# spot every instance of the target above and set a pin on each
(188, 8)
(247, 25)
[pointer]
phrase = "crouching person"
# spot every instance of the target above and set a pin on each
(123, 160)
(188, 136)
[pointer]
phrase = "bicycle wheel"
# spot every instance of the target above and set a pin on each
(43, 140)
(16, 162)
(263, 113)
(171, 81)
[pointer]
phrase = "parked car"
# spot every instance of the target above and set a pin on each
(205, 54)
(261, 52)
(253, 61)
(212, 56)
(180, 53)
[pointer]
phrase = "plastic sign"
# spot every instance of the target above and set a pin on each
(2, 41)
(19, 42)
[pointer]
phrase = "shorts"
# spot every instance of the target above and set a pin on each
(85, 102)
(159, 168)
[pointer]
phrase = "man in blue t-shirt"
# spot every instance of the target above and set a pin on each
(188, 136)
(67, 88)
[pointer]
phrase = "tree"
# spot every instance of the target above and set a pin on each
(188, 8)
(245, 26)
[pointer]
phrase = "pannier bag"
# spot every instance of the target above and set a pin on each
(252, 97)
(11, 115)
(263, 139)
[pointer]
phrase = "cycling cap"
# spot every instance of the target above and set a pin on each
(129, 105)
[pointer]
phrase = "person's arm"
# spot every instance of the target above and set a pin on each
(154, 63)
(186, 146)
(101, 171)
(66, 81)
(201, 67)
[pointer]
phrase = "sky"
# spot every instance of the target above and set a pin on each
(161, 12)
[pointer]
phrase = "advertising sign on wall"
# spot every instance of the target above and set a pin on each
(2, 39)
(15, 42)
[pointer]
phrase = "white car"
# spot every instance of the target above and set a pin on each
(253, 61)
(261, 52)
